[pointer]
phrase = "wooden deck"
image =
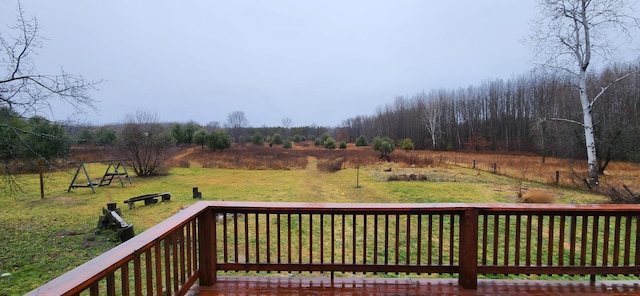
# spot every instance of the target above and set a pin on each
(385, 286)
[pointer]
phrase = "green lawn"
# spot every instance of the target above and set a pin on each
(43, 238)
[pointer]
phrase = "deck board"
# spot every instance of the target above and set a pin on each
(386, 286)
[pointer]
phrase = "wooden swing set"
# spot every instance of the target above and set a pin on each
(115, 170)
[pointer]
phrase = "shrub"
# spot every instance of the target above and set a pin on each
(384, 146)
(287, 144)
(361, 141)
(218, 140)
(276, 139)
(407, 144)
(329, 143)
(330, 165)
(343, 144)
(257, 139)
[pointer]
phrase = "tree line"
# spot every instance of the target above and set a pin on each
(536, 112)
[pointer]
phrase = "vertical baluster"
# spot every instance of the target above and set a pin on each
(507, 241)
(344, 238)
(583, 246)
(289, 243)
(94, 289)
(321, 238)
(183, 268)
(430, 239)
(485, 231)
(528, 241)
(158, 263)
(419, 241)
(187, 245)
(496, 237)
(124, 279)
(267, 234)
(452, 243)
(247, 259)
(516, 255)
(386, 239)
(539, 241)
(257, 231)
(278, 238)
(353, 233)
(235, 238)
(149, 268)
(594, 239)
(397, 239)
(550, 240)
(111, 284)
(627, 240)
(311, 238)
(605, 240)
(167, 262)
(300, 238)
(616, 239)
(333, 239)
(174, 249)
(375, 239)
(225, 242)
(572, 240)
(561, 235)
(408, 243)
(441, 239)
(364, 239)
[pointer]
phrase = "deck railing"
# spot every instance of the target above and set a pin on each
(467, 240)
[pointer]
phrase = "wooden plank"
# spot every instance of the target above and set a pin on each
(384, 286)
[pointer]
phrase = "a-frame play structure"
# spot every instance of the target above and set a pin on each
(115, 170)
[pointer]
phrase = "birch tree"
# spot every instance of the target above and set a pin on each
(569, 35)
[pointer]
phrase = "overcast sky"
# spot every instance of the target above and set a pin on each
(316, 62)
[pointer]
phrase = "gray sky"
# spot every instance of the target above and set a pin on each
(312, 61)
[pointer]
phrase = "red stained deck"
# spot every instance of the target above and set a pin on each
(385, 286)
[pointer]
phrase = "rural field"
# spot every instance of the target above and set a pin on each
(44, 237)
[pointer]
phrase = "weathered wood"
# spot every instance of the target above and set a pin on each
(148, 198)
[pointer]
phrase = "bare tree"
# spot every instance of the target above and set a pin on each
(24, 92)
(567, 35)
(236, 122)
(145, 143)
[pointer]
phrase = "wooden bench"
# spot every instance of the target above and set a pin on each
(148, 199)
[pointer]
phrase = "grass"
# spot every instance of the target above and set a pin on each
(43, 238)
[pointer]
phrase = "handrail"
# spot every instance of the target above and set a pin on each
(463, 239)
(104, 267)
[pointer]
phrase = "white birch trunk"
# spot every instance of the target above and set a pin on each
(589, 136)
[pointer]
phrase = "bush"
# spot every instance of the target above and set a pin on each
(287, 144)
(384, 146)
(343, 144)
(276, 139)
(218, 140)
(329, 143)
(407, 144)
(361, 141)
(330, 165)
(257, 139)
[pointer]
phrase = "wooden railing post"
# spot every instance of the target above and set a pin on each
(468, 277)
(206, 245)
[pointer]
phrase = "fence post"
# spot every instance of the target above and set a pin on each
(468, 277)
(206, 245)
